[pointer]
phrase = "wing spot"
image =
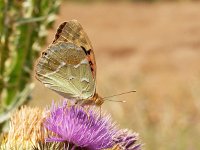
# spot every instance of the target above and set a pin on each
(59, 30)
(87, 52)
(44, 53)
(90, 62)
(62, 25)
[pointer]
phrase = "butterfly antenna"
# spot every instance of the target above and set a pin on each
(115, 101)
(118, 95)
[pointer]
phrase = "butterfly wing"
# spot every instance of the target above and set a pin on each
(73, 32)
(64, 68)
(68, 66)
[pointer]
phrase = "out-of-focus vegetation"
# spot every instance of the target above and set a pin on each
(23, 26)
(86, 1)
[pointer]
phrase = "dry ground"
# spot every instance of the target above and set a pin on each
(153, 48)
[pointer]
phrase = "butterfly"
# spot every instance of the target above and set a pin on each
(68, 65)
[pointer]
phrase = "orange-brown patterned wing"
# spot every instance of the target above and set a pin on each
(68, 66)
(73, 32)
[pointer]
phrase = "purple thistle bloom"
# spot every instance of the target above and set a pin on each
(127, 140)
(81, 128)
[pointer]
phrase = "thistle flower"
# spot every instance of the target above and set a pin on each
(81, 128)
(66, 127)
(48, 146)
(26, 129)
(127, 140)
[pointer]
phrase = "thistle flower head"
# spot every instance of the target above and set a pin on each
(66, 127)
(127, 140)
(81, 128)
(26, 129)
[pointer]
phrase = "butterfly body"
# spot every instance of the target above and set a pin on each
(68, 65)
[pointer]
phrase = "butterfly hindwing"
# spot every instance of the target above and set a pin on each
(64, 68)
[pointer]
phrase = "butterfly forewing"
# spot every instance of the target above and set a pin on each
(73, 32)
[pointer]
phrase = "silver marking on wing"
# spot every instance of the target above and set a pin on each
(84, 61)
(58, 69)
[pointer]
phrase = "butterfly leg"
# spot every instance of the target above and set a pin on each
(100, 111)
(86, 108)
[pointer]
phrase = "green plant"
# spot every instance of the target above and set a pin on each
(23, 30)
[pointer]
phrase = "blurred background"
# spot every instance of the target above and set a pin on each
(151, 46)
